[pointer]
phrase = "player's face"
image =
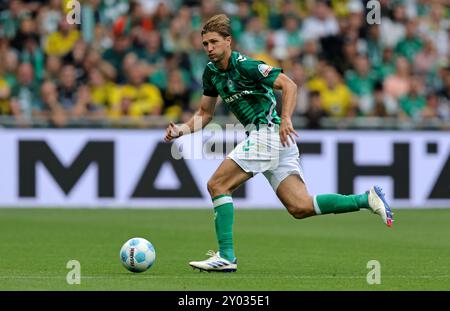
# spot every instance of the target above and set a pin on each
(215, 46)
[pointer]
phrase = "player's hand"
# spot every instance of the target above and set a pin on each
(173, 131)
(287, 132)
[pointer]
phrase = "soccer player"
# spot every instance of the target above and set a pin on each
(246, 87)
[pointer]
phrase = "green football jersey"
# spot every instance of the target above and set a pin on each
(246, 87)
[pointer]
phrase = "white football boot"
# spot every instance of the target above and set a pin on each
(379, 205)
(215, 263)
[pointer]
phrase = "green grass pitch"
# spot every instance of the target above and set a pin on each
(275, 251)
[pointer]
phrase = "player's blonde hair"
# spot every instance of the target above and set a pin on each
(218, 23)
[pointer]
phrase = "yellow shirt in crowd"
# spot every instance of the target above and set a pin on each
(4, 102)
(145, 99)
(59, 45)
(336, 102)
(106, 95)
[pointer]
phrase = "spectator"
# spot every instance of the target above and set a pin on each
(49, 17)
(153, 53)
(356, 18)
(111, 10)
(361, 81)
(379, 109)
(321, 24)
(277, 15)
(315, 111)
(298, 75)
(176, 38)
(392, 29)
(197, 61)
(24, 94)
(413, 103)
(387, 65)
(162, 16)
(176, 96)
(137, 97)
(335, 95)
(435, 27)
(444, 96)
(53, 67)
(61, 42)
(310, 57)
(93, 59)
(288, 40)
(374, 48)
(32, 53)
(410, 45)
(90, 14)
(51, 109)
(398, 84)
(76, 58)
(129, 63)
(116, 54)
(10, 67)
(430, 111)
(104, 94)
(4, 97)
(172, 62)
(25, 33)
(350, 53)
(269, 55)
(72, 98)
(10, 19)
(152, 56)
(240, 19)
(136, 26)
(341, 49)
(425, 61)
(253, 39)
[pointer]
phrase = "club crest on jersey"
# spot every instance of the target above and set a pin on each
(230, 84)
(264, 69)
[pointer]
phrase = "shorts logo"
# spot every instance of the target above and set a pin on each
(248, 144)
(264, 69)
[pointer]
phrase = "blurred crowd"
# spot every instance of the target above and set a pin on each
(139, 58)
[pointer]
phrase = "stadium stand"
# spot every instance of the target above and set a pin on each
(139, 63)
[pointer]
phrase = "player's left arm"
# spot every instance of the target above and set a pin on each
(288, 101)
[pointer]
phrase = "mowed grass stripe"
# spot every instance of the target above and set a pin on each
(275, 251)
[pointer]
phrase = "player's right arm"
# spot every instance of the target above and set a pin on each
(198, 121)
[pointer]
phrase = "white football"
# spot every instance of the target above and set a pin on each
(137, 255)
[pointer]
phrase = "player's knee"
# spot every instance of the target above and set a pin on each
(301, 209)
(211, 186)
(215, 188)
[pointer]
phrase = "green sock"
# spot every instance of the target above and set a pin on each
(224, 216)
(338, 203)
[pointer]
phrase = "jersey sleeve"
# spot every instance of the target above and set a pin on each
(260, 71)
(208, 87)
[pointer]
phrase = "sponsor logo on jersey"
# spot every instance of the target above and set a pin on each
(234, 97)
(264, 69)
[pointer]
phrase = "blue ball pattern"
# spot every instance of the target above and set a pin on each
(139, 257)
(123, 256)
(134, 242)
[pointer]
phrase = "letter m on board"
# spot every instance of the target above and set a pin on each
(32, 152)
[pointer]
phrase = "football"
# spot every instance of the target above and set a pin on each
(137, 255)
